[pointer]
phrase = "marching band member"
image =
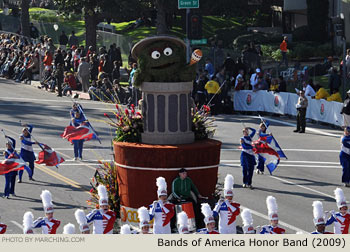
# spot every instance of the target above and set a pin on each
(208, 220)
(69, 229)
(78, 144)
(125, 229)
(27, 152)
(340, 219)
(226, 209)
(103, 219)
(345, 157)
(161, 210)
(247, 219)
(319, 218)
(144, 218)
(272, 208)
(247, 157)
(82, 221)
(28, 223)
(182, 223)
(262, 138)
(3, 228)
(10, 178)
(47, 224)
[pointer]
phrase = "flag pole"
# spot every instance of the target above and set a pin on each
(82, 112)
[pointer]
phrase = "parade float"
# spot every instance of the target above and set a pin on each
(168, 135)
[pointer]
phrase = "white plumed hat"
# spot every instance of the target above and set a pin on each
(340, 198)
(81, 219)
(102, 193)
(69, 229)
(162, 186)
(28, 223)
(228, 186)
(247, 219)
(272, 208)
(125, 229)
(182, 222)
(319, 217)
(47, 201)
(208, 213)
(143, 216)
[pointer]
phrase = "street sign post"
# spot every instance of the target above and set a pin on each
(188, 4)
(203, 41)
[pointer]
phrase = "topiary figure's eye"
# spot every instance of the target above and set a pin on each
(168, 51)
(155, 55)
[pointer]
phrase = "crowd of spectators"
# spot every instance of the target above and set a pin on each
(65, 69)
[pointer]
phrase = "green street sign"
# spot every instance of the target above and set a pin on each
(188, 4)
(203, 41)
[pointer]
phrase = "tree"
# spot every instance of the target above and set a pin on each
(317, 19)
(93, 11)
(25, 18)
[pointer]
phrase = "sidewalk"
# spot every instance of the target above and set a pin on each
(79, 94)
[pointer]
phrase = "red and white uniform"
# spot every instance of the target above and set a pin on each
(162, 214)
(3, 228)
(47, 226)
(228, 212)
(103, 221)
(341, 223)
(268, 229)
(206, 231)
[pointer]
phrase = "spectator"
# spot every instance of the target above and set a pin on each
(335, 96)
(240, 83)
(63, 40)
(59, 76)
(274, 85)
(73, 40)
(93, 92)
(229, 66)
(254, 78)
(34, 32)
(84, 74)
(200, 97)
(334, 81)
(261, 85)
(59, 59)
(116, 71)
(321, 93)
(346, 110)
(308, 88)
(69, 83)
(119, 91)
(282, 86)
(209, 67)
(284, 50)
(93, 67)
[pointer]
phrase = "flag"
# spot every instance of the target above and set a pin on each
(49, 156)
(270, 151)
(83, 132)
(13, 163)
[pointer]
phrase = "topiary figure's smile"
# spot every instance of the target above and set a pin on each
(163, 66)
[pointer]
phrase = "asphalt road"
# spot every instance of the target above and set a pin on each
(312, 171)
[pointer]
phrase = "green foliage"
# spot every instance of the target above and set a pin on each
(202, 125)
(105, 175)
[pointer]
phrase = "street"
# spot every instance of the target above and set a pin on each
(312, 171)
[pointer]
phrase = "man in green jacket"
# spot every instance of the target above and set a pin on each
(182, 187)
(184, 190)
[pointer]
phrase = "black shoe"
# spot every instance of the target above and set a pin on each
(19, 181)
(7, 197)
(296, 131)
(302, 131)
(31, 179)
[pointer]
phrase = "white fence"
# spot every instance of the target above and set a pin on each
(284, 103)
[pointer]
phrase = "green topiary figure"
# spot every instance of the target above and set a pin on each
(162, 59)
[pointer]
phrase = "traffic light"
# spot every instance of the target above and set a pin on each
(339, 26)
(194, 28)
